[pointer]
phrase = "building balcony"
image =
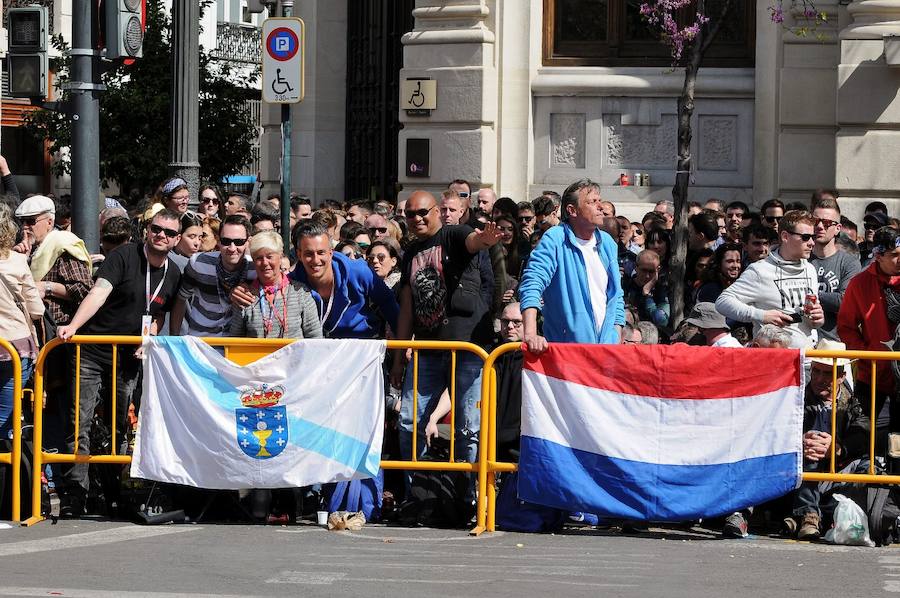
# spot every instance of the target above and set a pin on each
(237, 42)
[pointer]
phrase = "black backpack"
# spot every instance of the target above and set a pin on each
(437, 498)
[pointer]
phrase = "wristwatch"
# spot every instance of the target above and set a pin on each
(47, 292)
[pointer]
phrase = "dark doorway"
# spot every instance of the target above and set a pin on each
(374, 60)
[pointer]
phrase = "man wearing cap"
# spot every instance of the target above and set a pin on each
(60, 262)
(712, 326)
(872, 222)
(851, 440)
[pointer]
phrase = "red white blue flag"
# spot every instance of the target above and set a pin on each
(660, 433)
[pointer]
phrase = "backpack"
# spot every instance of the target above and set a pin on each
(437, 498)
(516, 515)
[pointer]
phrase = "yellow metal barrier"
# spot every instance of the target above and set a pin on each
(244, 351)
(492, 466)
(14, 457)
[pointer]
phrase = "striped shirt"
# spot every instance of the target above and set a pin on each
(209, 308)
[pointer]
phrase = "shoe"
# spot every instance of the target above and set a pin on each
(789, 527)
(70, 507)
(809, 528)
(735, 526)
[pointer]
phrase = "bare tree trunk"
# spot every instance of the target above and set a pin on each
(679, 248)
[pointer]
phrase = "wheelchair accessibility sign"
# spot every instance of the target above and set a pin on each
(282, 65)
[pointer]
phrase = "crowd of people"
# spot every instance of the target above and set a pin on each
(462, 265)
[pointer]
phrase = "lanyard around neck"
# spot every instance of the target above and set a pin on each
(152, 298)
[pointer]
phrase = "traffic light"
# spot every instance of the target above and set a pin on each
(27, 54)
(124, 30)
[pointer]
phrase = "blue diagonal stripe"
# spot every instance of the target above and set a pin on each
(217, 388)
(334, 445)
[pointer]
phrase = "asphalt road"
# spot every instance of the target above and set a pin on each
(106, 559)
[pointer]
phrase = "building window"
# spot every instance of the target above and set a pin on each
(613, 33)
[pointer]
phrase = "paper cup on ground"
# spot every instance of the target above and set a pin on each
(322, 517)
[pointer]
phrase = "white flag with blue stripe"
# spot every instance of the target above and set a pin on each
(309, 413)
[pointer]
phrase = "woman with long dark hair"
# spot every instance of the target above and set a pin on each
(721, 273)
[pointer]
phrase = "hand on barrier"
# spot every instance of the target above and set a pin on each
(66, 332)
(536, 343)
(241, 296)
(777, 317)
(431, 431)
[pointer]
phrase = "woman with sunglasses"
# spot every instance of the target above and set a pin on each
(210, 201)
(637, 238)
(384, 259)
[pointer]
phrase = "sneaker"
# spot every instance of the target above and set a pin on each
(735, 526)
(70, 507)
(789, 527)
(809, 528)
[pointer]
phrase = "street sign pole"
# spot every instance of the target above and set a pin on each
(282, 83)
(287, 129)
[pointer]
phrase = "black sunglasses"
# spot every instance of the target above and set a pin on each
(867, 225)
(410, 214)
(805, 237)
(772, 218)
(826, 222)
(381, 230)
(170, 232)
(526, 218)
(225, 242)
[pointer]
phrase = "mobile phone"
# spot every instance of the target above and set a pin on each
(796, 318)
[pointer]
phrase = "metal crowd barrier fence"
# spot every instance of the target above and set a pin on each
(14, 456)
(491, 466)
(243, 351)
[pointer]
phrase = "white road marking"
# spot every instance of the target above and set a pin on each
(311, 579)
(303, 578)
(107, 536)
(79, 593)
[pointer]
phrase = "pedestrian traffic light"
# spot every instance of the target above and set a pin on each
(124, 30)
(27, 52)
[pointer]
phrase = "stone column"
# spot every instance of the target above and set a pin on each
(868, 109)
(452, 42)
(185, 94)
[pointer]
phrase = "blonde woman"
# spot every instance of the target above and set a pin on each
(20, 305)
(282, 308)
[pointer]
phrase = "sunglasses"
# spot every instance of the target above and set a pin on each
(464, 195)
(31, 220)
(772, 218)
(378, 257)
(411, 214)
(169, 232)
(805, 237)
(826, 222)
(638, 231)
(209, 199)
(380, 230)
(225, 242)
(867, 225)
(526, 218)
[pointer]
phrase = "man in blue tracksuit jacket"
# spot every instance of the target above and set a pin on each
(575, 270)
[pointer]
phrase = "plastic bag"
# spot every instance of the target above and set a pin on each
(851, 526)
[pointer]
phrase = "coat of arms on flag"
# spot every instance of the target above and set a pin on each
(262, 424)
(309, 413)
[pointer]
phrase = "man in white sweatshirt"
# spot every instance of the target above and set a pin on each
(779, 289)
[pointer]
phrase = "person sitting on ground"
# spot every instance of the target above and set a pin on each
(851, 441)
(712, 326)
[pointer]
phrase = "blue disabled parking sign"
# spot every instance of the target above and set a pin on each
(282, 41)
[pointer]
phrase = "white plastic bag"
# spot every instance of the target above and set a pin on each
(851, 526)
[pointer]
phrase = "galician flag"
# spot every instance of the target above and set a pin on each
(309, 413)
(660, 433)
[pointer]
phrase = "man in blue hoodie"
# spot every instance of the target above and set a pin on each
(575, 270)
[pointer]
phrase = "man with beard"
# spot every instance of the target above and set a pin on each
(444, 295)
(734, 218)
(136, 286)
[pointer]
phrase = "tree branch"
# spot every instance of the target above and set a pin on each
(714, 30)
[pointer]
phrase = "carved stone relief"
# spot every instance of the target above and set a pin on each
(718, 143)
(640, 146)
(567, 140)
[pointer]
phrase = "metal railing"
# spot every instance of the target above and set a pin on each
(14, 457)
(242, 351)
(238, 42)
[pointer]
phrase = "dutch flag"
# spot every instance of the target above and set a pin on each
(660, 433)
